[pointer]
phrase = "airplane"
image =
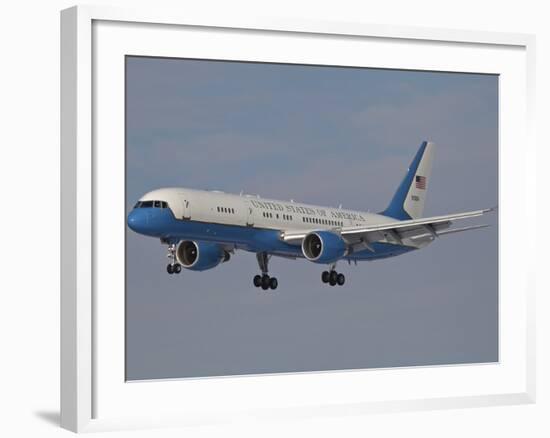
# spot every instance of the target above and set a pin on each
(203, 228)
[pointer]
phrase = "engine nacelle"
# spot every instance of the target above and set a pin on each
(199, 256)
(323, 247)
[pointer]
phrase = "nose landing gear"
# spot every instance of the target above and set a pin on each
(173, 267)
(264, 281)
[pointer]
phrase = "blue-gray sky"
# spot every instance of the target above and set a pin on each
(324, 135)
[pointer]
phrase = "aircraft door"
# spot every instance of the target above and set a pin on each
(249, 214)
(185, 206)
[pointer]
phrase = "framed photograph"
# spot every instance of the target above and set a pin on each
(284, 218)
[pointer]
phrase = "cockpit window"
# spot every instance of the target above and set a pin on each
(151, 204)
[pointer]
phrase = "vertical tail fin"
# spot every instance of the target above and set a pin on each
(408, 200)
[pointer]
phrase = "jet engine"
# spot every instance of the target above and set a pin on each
(200, 256)
(323, 247)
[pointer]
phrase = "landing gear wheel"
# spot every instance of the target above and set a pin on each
(273, 283)
(170, 269)
(265, 282)
(176, 268)
(325, 276)
(340, 279)
(257, 280)
(333, 278)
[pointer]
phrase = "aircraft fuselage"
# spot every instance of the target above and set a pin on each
(248, 222)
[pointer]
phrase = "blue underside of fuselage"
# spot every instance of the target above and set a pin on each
(162, 224)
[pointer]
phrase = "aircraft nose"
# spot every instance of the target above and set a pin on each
(137, 221)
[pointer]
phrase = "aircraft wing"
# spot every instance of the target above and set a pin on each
(396, 232)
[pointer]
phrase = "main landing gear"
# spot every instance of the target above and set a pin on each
(264, 281)
(333, 278)
(173, 267)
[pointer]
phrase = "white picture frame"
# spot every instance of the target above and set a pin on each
(93, 396)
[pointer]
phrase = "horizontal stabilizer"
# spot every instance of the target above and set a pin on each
(451, 231)
(458, 230)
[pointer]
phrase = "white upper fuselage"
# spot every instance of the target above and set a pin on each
(257, 212)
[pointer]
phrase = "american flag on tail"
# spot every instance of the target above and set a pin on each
(421, 182)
